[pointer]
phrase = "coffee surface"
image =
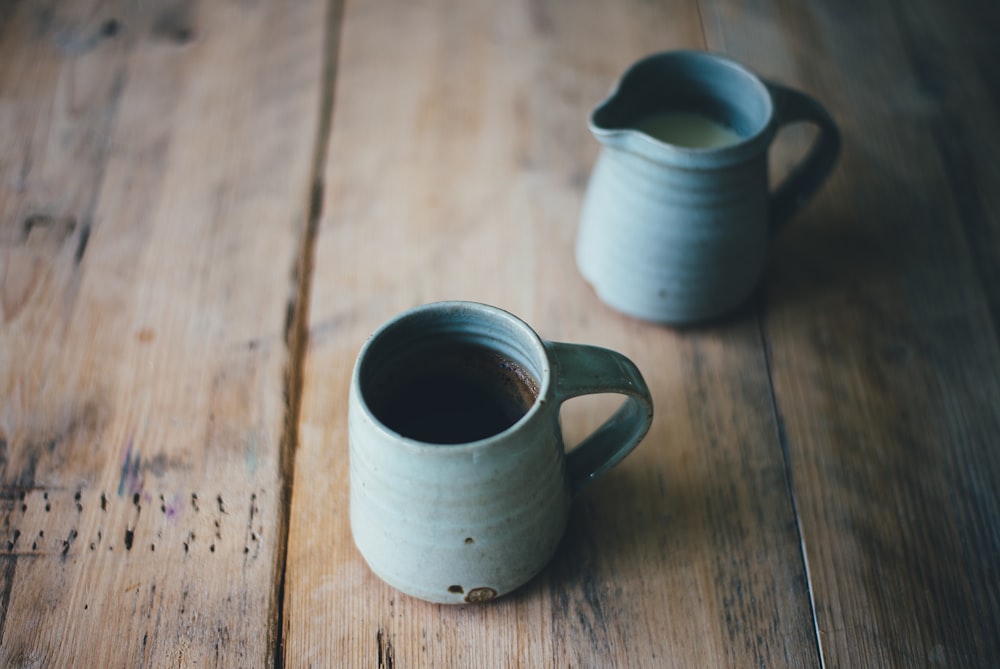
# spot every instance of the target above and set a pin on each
(452, 395)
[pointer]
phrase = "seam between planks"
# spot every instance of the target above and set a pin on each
(297, 319)
(701, 23)
(790, 486)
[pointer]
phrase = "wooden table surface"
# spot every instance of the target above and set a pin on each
(205, 208)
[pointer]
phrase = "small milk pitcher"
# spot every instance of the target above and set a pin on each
(677, 215)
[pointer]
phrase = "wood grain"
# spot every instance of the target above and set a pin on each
(457, 160)
(205, 208)
(882, 327)
(155, 185)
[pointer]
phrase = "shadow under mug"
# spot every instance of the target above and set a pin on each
(675, 233)
(469, 521)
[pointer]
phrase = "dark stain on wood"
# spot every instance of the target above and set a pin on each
(575, 591)
(47, 225)
(8, 565)
(176, 22)
(81, 422)
(110, 28)
(541, 17)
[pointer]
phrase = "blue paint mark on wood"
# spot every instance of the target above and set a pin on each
(130, 481)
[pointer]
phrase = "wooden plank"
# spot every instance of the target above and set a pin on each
(882, 327)
(457, 162)
(154, 187)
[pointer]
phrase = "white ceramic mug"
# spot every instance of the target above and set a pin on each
(675, 223)
(472, 520)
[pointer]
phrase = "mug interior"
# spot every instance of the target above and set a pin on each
(404, 355)
(688, 81)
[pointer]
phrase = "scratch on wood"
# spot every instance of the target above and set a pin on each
(130, 481)
(386, 659)
(68, 542)
(81, 245)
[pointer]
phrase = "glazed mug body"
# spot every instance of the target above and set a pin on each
(467, 522)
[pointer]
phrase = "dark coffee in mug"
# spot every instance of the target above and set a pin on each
(452, 394)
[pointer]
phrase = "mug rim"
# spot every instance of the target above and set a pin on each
(526, 334)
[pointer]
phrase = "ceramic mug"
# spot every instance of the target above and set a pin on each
(460, 485)
(677, 216)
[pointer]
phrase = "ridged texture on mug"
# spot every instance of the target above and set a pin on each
(669, 243)
(454, 523)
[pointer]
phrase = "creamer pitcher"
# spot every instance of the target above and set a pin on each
(677, 216)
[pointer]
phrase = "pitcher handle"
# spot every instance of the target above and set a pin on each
(792, 106)
(579, 369)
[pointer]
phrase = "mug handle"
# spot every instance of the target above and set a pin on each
(579, 369)
(792, 106)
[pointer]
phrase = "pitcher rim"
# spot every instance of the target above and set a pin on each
(760, 133)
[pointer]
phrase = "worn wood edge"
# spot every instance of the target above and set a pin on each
(267, 623)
